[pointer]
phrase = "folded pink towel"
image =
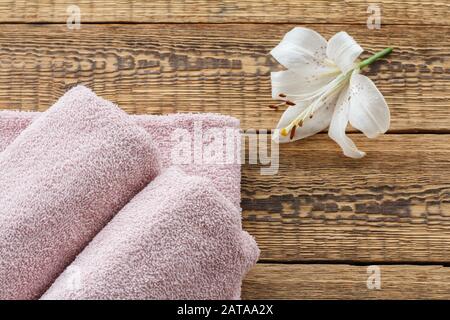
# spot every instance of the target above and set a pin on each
(187, 230)
(62, 179)
(217, 132)
(179, 238)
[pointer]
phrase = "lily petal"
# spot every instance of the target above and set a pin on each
(339, 123)
(369, 112)
(343, 50)
(298, 47)
(320, 121)
(292, 83)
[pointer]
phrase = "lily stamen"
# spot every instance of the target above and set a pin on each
(284, 102)
(309, 111)
(292, 132)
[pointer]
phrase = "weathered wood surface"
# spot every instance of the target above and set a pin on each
(297, 281)
(393, 205)
(211, 68)
(225, 11)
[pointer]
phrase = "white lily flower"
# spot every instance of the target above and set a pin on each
(322, 87)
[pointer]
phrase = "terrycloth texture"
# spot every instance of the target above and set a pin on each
(218, 252)
(62, 179)
(179, 238)
(226, 176)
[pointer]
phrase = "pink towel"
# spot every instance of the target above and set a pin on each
(62, 179)
(179, 238)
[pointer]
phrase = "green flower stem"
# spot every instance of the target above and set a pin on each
(374, 58)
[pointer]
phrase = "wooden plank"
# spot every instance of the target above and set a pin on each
(211, 68)
(278, 281)
(225, 11)
(391, 206)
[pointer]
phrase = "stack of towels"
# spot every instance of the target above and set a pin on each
(92, 207)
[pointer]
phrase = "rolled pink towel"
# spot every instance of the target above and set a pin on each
(179, 238)
(165, 131)
(62, 179)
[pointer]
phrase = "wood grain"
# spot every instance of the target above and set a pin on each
(211, 68)
(278, 281)
(212, 56)
(225, 11)
(391, 206)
